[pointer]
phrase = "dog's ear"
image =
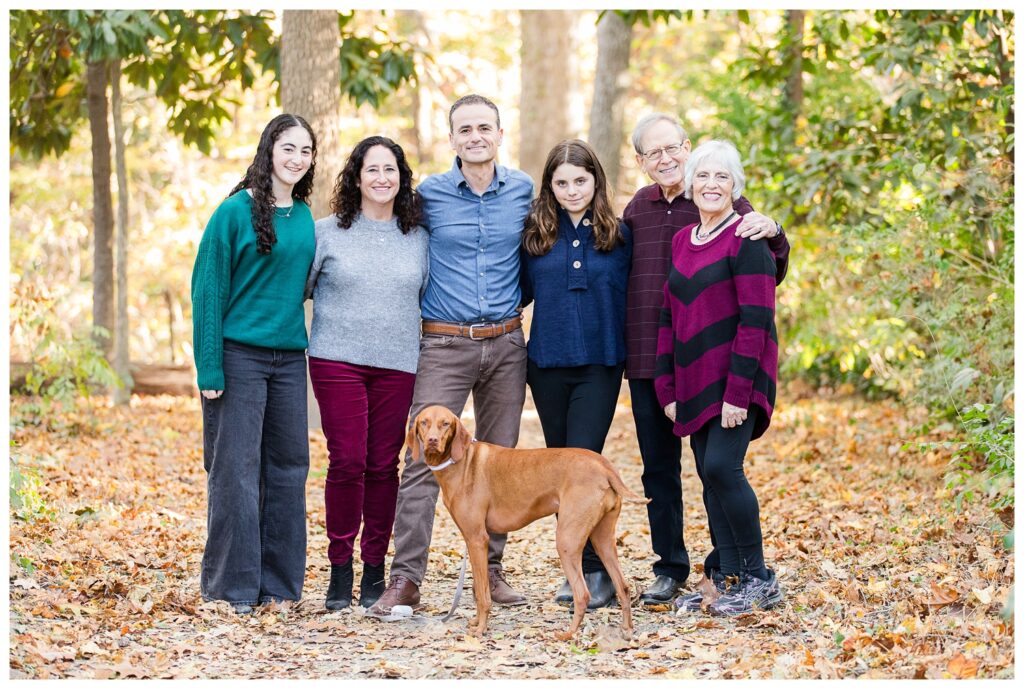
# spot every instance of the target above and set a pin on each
(412, 441)
(462, 440)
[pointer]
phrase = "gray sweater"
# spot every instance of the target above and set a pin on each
(366, 282)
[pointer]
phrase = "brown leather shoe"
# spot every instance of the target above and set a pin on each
(501, 592)
(401, 591)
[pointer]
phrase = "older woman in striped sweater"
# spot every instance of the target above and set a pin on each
(717, 367)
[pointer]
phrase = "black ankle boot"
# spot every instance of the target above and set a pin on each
(339, 591)
(371, 586)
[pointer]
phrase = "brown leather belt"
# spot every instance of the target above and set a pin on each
(475, 331)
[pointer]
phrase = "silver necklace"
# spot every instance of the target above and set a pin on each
(702, 237)
(286, 214)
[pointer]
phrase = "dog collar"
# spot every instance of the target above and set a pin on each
(446, 463)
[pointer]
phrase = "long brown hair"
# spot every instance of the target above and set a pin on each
(259, 179)
(541, 229)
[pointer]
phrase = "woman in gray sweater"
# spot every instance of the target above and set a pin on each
(366, 281)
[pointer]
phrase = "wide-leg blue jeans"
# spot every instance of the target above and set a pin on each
(256, 454)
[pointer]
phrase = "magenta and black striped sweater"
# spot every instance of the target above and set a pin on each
(717, 339)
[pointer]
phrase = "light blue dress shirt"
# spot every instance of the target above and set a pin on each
(474, 245)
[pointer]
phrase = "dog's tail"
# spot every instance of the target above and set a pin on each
(620, 487)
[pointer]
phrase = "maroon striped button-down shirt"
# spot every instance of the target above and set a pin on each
(654, 222)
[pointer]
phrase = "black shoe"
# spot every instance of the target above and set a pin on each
(602, 591)
(662, 591)
(371, 585)
(339, 591)
(564, 594)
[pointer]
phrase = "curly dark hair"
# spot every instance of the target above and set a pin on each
(259, 179)
(348, 199)
(541, 227)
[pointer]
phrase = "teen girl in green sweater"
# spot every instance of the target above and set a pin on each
(249, 338)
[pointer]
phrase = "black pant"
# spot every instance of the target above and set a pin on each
(660, 450)
(256, 455)
(576, 405)
(731, 504)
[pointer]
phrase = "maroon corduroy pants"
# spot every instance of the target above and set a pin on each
(363, 411)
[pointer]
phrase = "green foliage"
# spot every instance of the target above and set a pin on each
(63, 368)
(187, 58)
(47, 86)
(648, 17)
(27, 503)
(198, 55)
(24, 562)
(372, 71)
(983, 465)
(1007, 612)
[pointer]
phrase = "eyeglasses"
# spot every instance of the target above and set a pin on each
(655, 154)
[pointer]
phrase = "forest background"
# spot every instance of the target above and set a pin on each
(883, 141)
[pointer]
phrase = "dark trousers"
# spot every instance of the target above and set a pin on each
(363, 410)
(730, 501)
(576, 405)
(661, 451)
(256, 455)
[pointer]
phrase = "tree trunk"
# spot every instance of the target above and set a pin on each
(546, 55)
(795, 79)
(122, 395)
(102, 205)
(311, 87)
(611, 85)
(1004, 59)
(172, 345)
(413, 25)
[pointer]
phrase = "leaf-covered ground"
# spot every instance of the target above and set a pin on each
(883, 578)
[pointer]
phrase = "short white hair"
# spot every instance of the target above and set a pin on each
(716, 151)
(647, 121)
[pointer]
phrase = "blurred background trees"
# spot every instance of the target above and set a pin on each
(882, 140)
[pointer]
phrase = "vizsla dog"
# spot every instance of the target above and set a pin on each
(492, 488)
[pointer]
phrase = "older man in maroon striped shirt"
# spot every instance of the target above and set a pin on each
(655, 214)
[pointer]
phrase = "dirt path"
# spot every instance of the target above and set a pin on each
(882, 578)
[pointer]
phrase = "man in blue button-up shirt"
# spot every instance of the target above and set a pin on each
(475, 214)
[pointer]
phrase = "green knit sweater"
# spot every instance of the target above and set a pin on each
(241, 295)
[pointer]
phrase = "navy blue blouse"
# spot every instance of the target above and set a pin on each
(579, 295)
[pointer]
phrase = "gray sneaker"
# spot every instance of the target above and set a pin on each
(751, 594)
(691, 602)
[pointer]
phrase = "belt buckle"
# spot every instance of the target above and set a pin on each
(474, 337)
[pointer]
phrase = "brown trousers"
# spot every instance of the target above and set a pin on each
(449, 369)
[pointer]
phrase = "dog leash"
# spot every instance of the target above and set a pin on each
(458, 588)
(415, 617)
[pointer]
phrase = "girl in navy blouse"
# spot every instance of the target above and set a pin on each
(575, 263)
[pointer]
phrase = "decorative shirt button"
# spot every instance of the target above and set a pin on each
(576, 264)
(575, 242)
(586, 222)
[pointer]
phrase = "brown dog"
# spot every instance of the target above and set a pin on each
(488, 488)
